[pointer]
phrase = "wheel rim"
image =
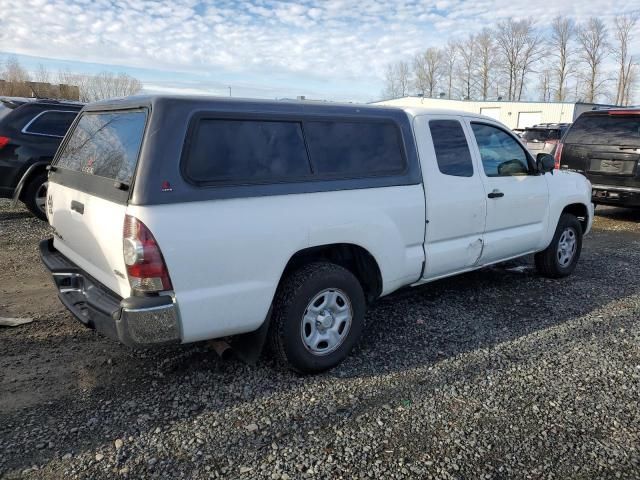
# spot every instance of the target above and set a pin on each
(41, 197)
(567, 245)
(326, 321)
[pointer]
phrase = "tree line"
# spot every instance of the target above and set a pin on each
(515, 60)
(43, 83)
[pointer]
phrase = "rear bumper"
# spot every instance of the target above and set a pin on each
(612, 195)
(134, 321)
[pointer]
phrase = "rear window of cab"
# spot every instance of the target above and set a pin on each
(241, 151)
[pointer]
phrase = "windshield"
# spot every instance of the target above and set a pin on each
(541, 134)
(105, 144)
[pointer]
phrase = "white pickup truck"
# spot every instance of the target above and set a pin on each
(186, 219)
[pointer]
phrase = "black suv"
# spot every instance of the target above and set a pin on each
(604, 145)
(30, 133)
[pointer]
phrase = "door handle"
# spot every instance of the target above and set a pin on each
(77, 206)
(496, 194)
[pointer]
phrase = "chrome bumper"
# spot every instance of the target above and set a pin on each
(134, 321)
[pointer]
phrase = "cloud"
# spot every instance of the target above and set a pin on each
(314, 41)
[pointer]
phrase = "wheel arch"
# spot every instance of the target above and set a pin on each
(33, 170)
(580, 211)
(354, 258)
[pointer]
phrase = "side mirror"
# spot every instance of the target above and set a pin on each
(545, 163)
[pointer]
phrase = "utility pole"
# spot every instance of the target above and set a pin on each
(229, 90)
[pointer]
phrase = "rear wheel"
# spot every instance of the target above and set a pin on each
(318, 317)
(560, 258)
(35, 195)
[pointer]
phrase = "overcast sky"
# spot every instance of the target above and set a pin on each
(332, 49)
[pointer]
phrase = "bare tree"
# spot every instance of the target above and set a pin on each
(72, 84)
(42, 75)
(545, 85)
(15, 78)
(562, 32)
(466, 74)
(108, 85)
(397, 80)
(427, 68)
(631, 82)
(486, 60)
(42, 80)
(623, 34)
(514, 40)
(592, 38)
(533, 49)
(449, 61)
(391, 88)
(404, 77)
(102, 86)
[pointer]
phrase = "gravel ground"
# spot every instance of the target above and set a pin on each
(494, 374)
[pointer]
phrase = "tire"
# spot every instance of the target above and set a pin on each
(318, 317)
(556, 261)
(34, 195)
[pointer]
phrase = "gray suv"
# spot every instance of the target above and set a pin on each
(544, 137)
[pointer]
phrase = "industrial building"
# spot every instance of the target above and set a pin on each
(512, 114)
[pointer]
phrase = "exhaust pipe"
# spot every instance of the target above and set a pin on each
(222, 348)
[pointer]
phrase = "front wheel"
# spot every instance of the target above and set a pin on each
(318, 317)
(560, 258)
(35, 195)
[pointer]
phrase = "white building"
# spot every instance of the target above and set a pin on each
(512, 114)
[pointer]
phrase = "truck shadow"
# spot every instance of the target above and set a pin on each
(619, 214)
(482, 309)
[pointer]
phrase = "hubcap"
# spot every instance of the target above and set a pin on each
(326, 321)
(567, 246)
(41, 196)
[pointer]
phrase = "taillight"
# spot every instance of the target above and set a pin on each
(146, 269)
(558, 155)
(4, 141)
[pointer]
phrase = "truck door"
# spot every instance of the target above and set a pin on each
(454, 194)
(517, 196)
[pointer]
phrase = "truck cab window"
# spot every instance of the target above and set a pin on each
(451, 147)
(502, 155)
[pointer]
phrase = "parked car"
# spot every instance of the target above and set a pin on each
(544, 137)
(30, 133)
(186, 219)
(604, 145)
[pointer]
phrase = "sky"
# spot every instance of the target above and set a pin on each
(323, 49)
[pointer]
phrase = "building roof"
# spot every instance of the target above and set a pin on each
(416, 98)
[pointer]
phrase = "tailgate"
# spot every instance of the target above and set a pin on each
(89, 189)
(601, 161)
(88, 231)
(605, 146)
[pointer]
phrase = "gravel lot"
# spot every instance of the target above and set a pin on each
(495, 374)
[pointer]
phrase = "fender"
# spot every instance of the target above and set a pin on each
(566, 188)
(23, 181)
